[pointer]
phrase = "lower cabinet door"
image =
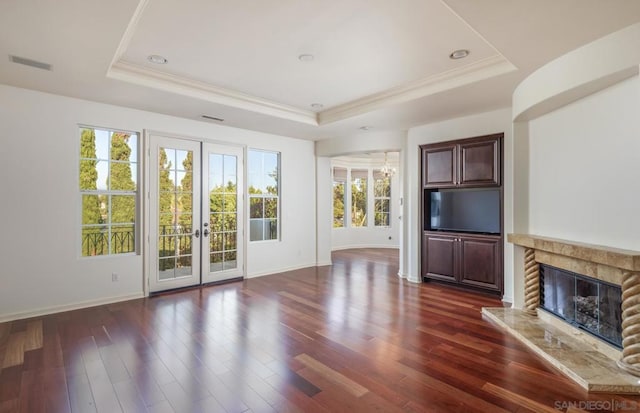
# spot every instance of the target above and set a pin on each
(480, 264)
(440, 257)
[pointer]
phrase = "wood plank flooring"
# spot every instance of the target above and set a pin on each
(351, 337)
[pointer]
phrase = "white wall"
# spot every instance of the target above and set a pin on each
(40, 210)
(585, 169)
(476, 125)
(369, 236)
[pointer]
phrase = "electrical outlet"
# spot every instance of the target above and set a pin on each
(114, 277)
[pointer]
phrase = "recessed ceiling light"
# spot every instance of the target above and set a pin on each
(317, 105)
(306, 57)
(459, 54)
(157, 59)
(365, 127)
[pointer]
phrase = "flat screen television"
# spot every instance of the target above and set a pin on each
(465, 210)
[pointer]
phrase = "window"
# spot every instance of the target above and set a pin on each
(359, 197)
(381, 198)
(339, 181)
(264, 194)
(108, 188)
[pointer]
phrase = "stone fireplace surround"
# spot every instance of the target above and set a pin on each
(592, 363)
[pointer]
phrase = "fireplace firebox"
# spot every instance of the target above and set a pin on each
(587, 303)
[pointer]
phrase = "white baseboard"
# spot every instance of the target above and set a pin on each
(507, 299)
(350, 247)
(416, 280)
(67, 307)
(323, 263)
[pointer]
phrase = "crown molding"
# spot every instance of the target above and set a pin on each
(129, 32)
(133, 73)
(480, 70)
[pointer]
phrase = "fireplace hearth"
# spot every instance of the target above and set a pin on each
(593, 287)
(587, 303)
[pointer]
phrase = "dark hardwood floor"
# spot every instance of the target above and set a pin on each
(352, 337)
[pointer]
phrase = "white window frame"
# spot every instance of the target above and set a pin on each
(109, 193)
(344, 182)
(265, 196)
(367, 191)
(376, 198)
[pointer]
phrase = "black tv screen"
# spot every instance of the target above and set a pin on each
(465, 210)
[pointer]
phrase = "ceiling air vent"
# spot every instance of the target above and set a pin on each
(29, 62)
(213, 118)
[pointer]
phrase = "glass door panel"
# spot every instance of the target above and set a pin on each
(174, 213)
(223, 202)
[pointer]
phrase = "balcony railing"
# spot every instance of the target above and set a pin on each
(95, 241)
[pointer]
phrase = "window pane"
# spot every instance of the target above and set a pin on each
(215, 242)
(338, 204)
(102, 167)
(167, 158)
(215, 171)
(256, 229)
(183, 266)
(271, 173)
(88, 174)
(270, 229)
(102, 144)
(230, 178)
(120, 149)
(122, 239)
(121, 176)
(123, 209)
(166, 268)
(230, 241)
(382, 187)
(230, 222)
(271, 208)
(216, 262)
(91, 210)
(183, 161)
(133, 147)
(359, 198)
(255, 175)
(166, 246)
(256, 207)
(216, 222)
(95, 241)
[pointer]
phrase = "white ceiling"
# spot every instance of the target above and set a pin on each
(377, 63)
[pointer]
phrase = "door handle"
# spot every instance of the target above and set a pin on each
(205, 233)
(197, 233)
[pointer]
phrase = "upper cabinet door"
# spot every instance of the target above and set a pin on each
(440, 166)
(473, 162)
(480, 163)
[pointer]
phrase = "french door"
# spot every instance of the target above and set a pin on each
(195, 212)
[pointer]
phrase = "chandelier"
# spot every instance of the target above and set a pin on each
(387, 170)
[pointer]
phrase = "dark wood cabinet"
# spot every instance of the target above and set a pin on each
(481, 262)
(465, 259)
(440, 258)
(471, 162)
(441, 166)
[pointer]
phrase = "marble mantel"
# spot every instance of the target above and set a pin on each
(617, 266)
